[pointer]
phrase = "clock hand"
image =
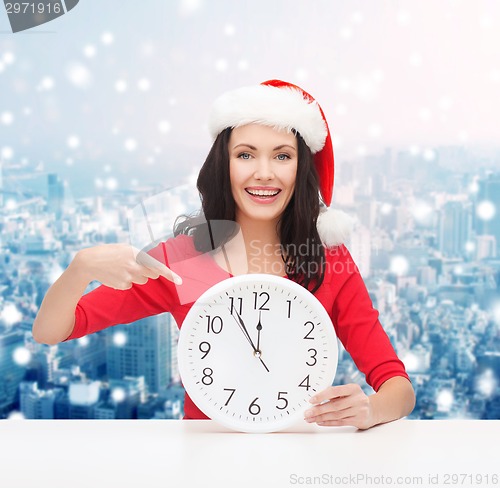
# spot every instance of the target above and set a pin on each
(242, 326)
(259, 328)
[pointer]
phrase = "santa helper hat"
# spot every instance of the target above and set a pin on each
(282, 105)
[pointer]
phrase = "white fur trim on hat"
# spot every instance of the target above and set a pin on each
(334, 227)
(283, 107)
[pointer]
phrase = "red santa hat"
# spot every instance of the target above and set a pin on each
(282, 105)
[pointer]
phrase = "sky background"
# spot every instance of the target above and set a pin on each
(116, 94)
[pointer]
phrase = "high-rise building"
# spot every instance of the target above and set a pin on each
(11, 373)
(35, 403)
(487, 211)
(55, 201)
(454, 228)
(360, 248)
(142, 348)
(486, 247)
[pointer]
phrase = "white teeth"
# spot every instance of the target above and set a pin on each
(263, 193)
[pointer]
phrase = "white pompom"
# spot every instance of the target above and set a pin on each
(334, 227)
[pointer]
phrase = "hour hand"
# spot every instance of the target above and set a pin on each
(259, 328)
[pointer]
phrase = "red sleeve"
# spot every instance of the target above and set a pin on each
(358, 326)
(105, 306)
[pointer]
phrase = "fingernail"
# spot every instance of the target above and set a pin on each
(177, 280)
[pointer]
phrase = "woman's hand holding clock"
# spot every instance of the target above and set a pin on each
(341, 405)
(348, 405)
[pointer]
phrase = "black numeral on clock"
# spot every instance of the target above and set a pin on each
(239, 306)
(313, 357)
(289, 308)
(214, 324)
(282, 398)
(307, 336)
(207, 376)
(305, 383)
(262, 298)
(232, 390)
(254, 409)
(205, 348)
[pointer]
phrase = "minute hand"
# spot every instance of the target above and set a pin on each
(242, 326)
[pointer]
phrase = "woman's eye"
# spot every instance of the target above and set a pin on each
(283, 157)
(244, 156)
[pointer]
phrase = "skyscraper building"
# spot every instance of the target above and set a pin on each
(11, 373)
(487, 222)
(142, 349)
(55, 201)
(454, 228)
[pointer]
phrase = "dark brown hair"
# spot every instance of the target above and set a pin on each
(301, 247)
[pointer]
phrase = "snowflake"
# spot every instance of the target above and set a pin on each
(7, 118)
(21, 356)
(8, 57)
(444, 400)
(130, 144)
(164, 126)
(229, 30)
(107, 38)
(73, 142)
(399, 265)
(111, 184)
(119, 339)
(118, 395)
(15, 415)
(6, 152)
(79, 75)
(486, 210)
(46, 83)
(89, 51)
(144, 84)
(121, 86)
(221, 65)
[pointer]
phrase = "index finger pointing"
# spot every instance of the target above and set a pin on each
(146, 260)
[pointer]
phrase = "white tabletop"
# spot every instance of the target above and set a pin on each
(199, 453)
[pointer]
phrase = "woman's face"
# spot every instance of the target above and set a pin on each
(262, 168)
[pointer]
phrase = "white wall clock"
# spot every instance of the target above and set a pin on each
(253, 349)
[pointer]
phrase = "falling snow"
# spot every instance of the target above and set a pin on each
(79, 75)
(21, 356)
(118, 394)
(486, 210)
(119, 339)
(399, 265)
(6, 118)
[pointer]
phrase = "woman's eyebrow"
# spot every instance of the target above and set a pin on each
(277, 148)
(253, 148)
(246, 145)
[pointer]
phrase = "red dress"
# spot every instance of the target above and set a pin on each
(342, 293)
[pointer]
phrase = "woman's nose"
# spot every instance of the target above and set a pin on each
(263, 170)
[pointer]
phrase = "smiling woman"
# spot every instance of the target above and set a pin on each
(269, 171)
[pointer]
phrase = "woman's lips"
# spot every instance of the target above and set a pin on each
(263, 198)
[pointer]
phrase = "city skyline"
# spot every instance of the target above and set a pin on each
(429, 255)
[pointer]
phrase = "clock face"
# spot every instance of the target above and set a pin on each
(253, 349)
